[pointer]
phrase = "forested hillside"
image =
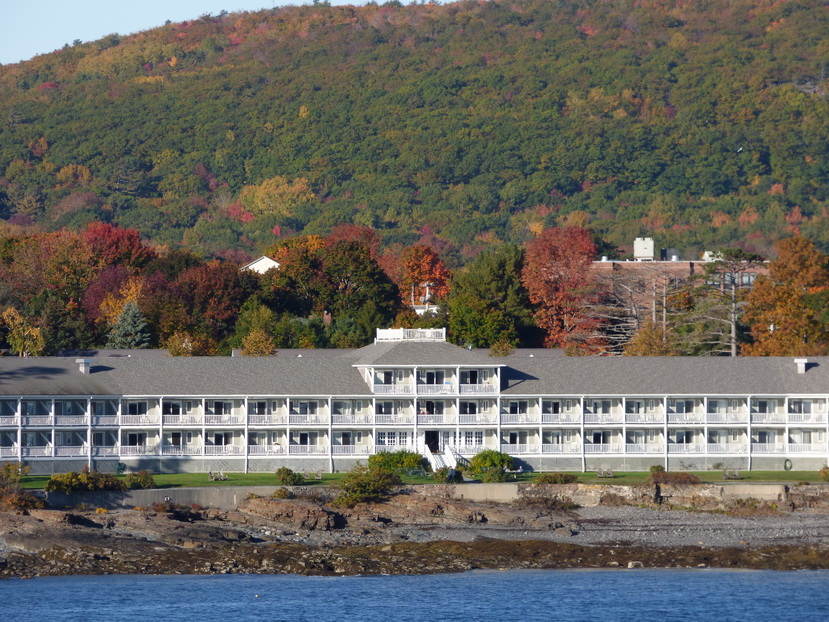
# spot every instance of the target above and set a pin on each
(699, 123)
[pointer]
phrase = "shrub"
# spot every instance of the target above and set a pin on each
(84, 481)
(445, 475)
(824, 473)
(493, 475)
(664, 477)
(282, 493)
(141, 479)
(556, 478)
(363, 484)
(287, 477)
(101, 511)
(395, 460)
(657, 468)
(12, 495)
(489, 459)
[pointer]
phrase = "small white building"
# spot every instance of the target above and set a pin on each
(262, 265)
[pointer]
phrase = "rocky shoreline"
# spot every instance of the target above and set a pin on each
(419, 532)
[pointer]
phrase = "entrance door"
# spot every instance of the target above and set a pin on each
(432, 438)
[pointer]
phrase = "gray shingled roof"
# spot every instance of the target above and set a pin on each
(664, 375)
(426, 353)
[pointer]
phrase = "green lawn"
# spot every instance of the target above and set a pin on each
(191, 480)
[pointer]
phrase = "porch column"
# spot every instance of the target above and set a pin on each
(748, 430)
(583, 440)
(245, 438)
(331, 434)
(89, 432)
(665, 431)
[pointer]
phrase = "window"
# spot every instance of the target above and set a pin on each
(381, 438)
(633, 406)
(568, 405)
(384, 408)
(189, 437)
(763, 407)
(358, 437)
(568, 436)
(175, 439)
(651, 405)
(469, 376)
(359, 405)
(257, 408)
(518, 408)
(171, 408)
(552, 437)
(434, 408)
(469, 408)
(431, 377)
(800, 407)
(98, 438)
(307, 408)
(189, 406)
(550, 408)
(137, 408)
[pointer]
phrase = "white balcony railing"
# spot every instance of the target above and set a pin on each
(351, 419)
(686, 448)
(727, 417)
(686, 418)
(478, 389)
(224, 419)
(62, 420)
(308, 419)
(436, 389)
(603, 448)
(36, 451)
(644, 448)
(224, 450)
(105, 451)
(516, 418)
(139, 420)
(644, 418)
(768, 418)
(105, 420)
(352, 450)
(394, 419)
(37, 420)
(560, 418)
(768, 448)
(561, 448)
(8, 421)
(174, 420)
(267, 419)
(139, 450)
(66, 452)
(603, 418)
(393, 389)
(807, 448)
(8, 452)
(807, 417)
(478, 419)
(308, 449)
(265, 450)
(522, 448)
(181, 450)
(727, 448)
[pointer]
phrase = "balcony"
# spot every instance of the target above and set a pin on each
(69, 420)
(181, 450)
(768, 418)
(644, 448)
(719, 418)
(36, 452)
(100, 420)
(561, 448)
(768, 448)
(436, 389)
(37, 420)
(727, 448)
(807, 448)
(265, 450)
(807, 418)
(644, 418)
(560, 418)
(176, 420)
(478, 389)
(603, 418)
(71, 452)
(105, 451)
(224, 450)
(686, 448)
(139, 450)
(352, 450)
(308, 419)
(306, 450)
(523, 418)
(394, 419)
(686, 418)
(267, 419)
(478, 419)
(351, 419)
(394, 389)
(8, 421)
(445, 419)
(603, 448)
(139, 420)
(522, 448)
(224, 420)
(469, 450)
(8, 452)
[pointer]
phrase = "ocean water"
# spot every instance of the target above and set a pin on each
(589, 595)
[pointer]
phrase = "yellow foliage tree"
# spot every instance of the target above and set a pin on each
(113, 304)
(24, 339)
(277, 196)
(258, 343)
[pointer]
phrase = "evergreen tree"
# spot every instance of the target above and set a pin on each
(131, 330)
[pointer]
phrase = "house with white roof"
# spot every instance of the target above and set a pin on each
(412, 389)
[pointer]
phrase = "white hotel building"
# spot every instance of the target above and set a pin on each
(326, 410)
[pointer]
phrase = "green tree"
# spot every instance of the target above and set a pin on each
(131, 331)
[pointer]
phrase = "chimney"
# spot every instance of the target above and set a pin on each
(802, 364)
(85, 365)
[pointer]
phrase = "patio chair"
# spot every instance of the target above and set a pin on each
(222, 477)
(211, 476)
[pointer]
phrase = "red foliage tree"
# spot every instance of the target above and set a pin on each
(213, 293)
(422, 271)
(557, 277)
(111, 245)
(346, 232)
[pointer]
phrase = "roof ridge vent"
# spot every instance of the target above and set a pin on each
(410, 334)
(802, 365)
(85, 365)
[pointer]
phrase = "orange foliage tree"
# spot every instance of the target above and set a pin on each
(784, 308)
(424, 275)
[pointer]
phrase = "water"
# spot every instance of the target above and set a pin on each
(573, 595)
